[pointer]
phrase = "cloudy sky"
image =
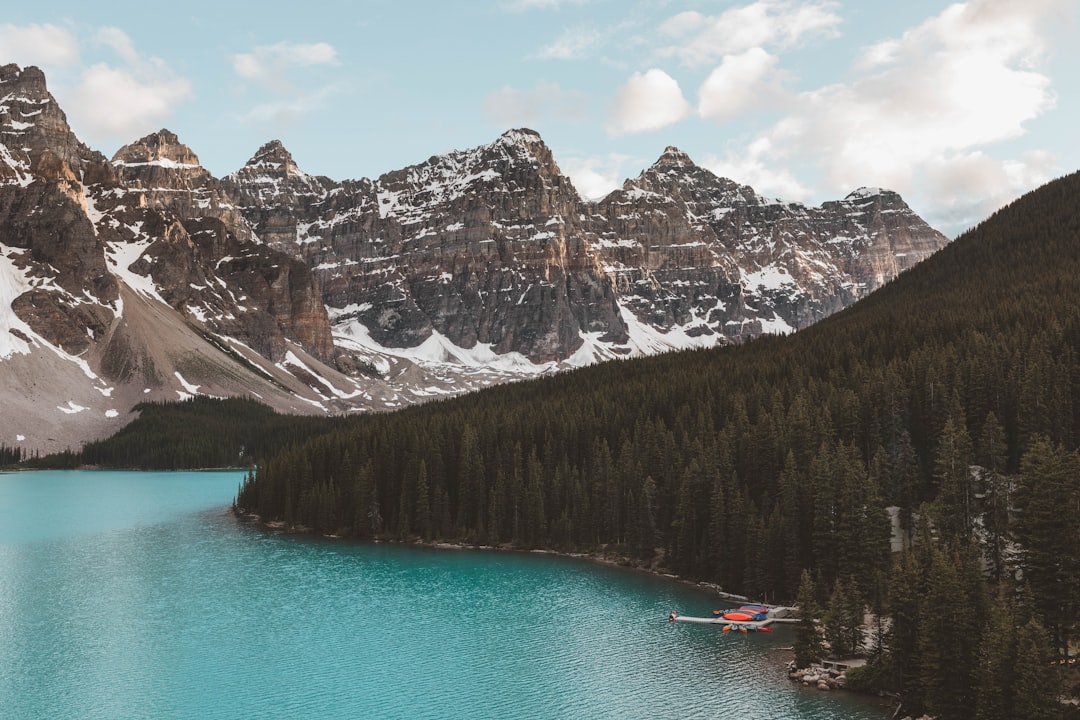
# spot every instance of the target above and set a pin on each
(959, 107)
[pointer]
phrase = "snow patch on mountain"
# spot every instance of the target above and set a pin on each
(769, 278)
(121, 256)
(14, 333)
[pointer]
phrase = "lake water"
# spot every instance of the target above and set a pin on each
(136, 595)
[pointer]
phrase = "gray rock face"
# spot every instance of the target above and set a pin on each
(36, 138)
(487, 246)
(42, 165)
(202, 255)
(494, 246)
(161, 173)
(695, 250)
(69, 216)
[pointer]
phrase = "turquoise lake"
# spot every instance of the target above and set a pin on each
(136, 595)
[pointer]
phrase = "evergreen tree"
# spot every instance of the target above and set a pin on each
(844, 628)
(645, 535)
(1048, 533)
(808, 644)
(470, 480)
(423, 502)
(992, 457)
(950, 629)
(904, 474)
(997, 665)
(955, 516)
(1037, 685)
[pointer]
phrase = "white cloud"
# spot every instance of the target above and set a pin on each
(969, 187)
(284, 69)
(270, 63)
(119, 42)
(753, 168)
(648, 101)
(572, 44)
(961, 80)
(595, 177)
(116, 103)
(739, 83)
(702, 40)
(508, 107)
(46, 45)
(922, 108)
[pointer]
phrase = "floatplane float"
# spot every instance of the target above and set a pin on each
(746, 619)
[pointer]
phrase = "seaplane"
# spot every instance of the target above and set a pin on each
(746, 619)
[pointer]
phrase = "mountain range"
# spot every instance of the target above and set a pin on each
(144, 277)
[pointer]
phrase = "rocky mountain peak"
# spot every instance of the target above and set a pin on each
(35, 132)
(479, 258)
(526, 144)
(865, 193)
(273, 158)
(672, 159)
(521, 137)
(162, 148)
(30, 80)
(268, 184)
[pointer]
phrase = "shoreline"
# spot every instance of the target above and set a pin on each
(608, 559)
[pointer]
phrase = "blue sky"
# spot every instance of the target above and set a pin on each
(959, 107)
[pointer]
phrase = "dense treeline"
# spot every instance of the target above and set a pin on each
(10, 455)
(748, 466)
(199, 432)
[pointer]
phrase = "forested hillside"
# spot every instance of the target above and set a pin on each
(747, 466)
(200, 432)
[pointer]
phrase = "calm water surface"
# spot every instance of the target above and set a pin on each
(135, 595)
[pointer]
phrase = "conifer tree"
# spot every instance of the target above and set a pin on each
(1048, 533)
(950, 629)
(904, 473)
(843, 620)
(955, 498)
(1037, 684)
(496, 509)
(997, 665)
(808, 644)
(470, 480)
(423, 502)
(790, 522)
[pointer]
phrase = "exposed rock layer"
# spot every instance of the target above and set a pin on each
(494, 246)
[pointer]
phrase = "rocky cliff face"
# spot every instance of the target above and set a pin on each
(274, 193)
(201, 255)
(693, 250)
(493, 247)
(484, 247)
(79, 225)
(71, 297)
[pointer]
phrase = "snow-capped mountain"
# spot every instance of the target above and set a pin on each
(696, 252)
(493, 249)
(145, 277)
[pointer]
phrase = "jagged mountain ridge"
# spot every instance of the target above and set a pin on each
(473, 267)
(676, 252)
